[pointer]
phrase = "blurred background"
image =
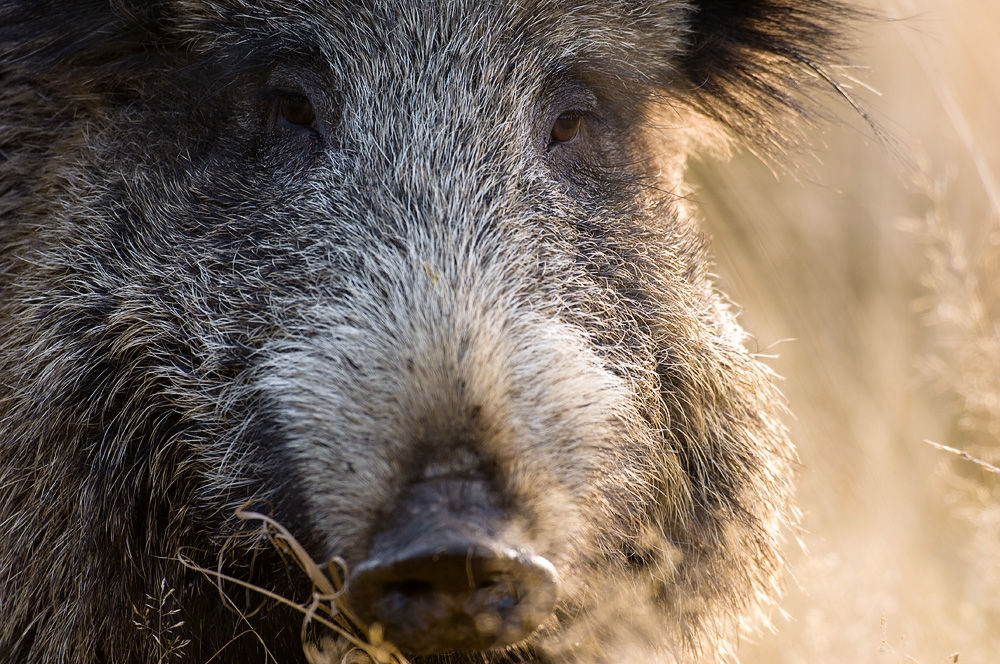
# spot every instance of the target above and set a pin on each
(872, 276)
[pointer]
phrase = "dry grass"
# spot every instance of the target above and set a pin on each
(326, 608)
(878, 288)
(160, 617)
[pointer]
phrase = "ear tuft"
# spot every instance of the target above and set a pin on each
(751, 62)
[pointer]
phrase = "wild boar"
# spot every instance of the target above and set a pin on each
(415, 279)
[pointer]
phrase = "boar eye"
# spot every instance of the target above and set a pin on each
(297, 110)
(566, 127)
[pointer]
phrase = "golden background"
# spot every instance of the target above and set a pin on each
(872, 274)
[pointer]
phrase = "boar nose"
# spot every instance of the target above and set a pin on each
(456, 599)
(440, 579)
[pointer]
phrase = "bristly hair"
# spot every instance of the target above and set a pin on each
(751, 63)
(87, 33)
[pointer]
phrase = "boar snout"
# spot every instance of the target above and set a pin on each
(444, 577)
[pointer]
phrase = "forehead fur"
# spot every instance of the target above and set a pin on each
(744, 64)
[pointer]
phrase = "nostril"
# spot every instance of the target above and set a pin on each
(403, 597)
(500, 596)
(411, 588)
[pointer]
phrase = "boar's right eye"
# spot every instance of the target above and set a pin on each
(297, 111)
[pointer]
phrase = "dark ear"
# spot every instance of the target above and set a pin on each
(89, 33)
(749, 62)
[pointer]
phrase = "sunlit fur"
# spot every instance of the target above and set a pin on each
(201, 307)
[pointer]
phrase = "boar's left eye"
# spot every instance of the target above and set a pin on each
(297, 111)
(566, 127)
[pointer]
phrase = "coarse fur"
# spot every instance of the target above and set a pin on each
(204, 305)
